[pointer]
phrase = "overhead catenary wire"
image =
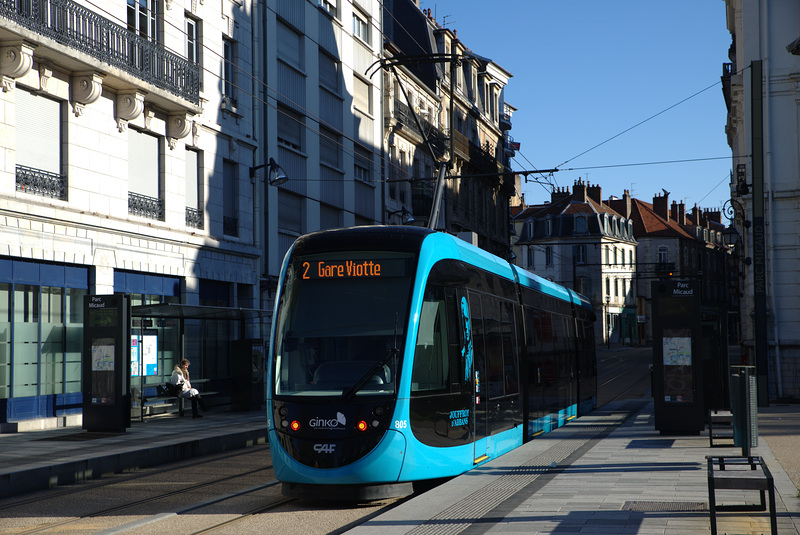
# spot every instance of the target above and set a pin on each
(387, 161)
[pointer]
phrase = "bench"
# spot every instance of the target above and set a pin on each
(720, 427)
(169, 398)
(740, 473)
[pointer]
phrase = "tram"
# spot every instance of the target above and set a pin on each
(400, 354)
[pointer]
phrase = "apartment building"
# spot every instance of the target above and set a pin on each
(444, 103)
(127, 136)
(761, 93)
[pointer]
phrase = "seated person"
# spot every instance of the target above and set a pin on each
(180, 378)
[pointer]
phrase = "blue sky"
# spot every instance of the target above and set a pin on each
(585, 72)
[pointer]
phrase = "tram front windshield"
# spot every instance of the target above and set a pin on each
(340, 324)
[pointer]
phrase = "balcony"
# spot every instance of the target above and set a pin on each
(73, 36)
(194, 218)
(42, 183)
(437, 139)
(144, 206)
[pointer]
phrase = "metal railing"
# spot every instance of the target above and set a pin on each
(194, 218)
(144, 206)
(75, 26)
(43, 183)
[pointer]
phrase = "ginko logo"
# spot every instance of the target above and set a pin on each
(331, 423)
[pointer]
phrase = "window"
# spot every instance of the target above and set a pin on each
(431, 370)
(144, 164)
(290, 46)
(229, 71)
(580, 225)
(582, 285)
(663, 255)
(548, 227)
(194, 207)
(615, 256)
(330, 148)
(580, 254)
(328, 72)
(362, 95)
(230, 201)
(38, 132)
(531, 257)
(548, 256)
(290, 128)
(143, 18)
(193, 48)
(361, 27)
(363, 164)
(329, 6)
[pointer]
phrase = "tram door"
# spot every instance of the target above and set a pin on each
(480, 398)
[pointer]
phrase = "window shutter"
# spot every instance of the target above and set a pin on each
(143, 164)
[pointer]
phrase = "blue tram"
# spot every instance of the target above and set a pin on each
(401, 354)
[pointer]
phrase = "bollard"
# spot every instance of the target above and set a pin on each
(744, 406)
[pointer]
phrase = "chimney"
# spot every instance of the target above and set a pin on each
(595, 193)
(661, 206)
(681, 213)
(579, 191)
(673, 211)
(559, 194)
(623, 205)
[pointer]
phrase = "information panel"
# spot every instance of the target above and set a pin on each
(106, 363)
(677, 359)
(678, 379)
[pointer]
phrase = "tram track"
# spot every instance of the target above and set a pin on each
(89, 485)
(151, 499)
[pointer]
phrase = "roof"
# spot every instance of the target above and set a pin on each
(197, 312)
(647, 223)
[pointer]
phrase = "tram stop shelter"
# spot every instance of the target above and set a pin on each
(224, 344)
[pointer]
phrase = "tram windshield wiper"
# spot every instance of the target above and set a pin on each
(370, 373)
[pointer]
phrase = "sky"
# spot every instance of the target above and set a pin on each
(601, 87)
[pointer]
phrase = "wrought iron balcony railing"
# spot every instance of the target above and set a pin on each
(194, 218)
(144, 206)
(75, 26)
(43, 183)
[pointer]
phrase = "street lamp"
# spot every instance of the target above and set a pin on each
(407, 216)
(276, 176)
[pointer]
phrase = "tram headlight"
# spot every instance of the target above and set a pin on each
(283, 411)
(295, 425)
(284, 423)
(361, 425)
(375, 423)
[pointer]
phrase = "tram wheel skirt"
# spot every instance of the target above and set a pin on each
(350, 493)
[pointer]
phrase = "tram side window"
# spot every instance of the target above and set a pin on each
(431, 356)
(509, 334)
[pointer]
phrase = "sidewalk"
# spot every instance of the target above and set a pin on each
(608, 472)
(37, 460)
